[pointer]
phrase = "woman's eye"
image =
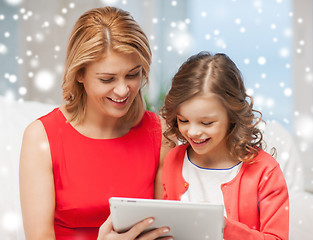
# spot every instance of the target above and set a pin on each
(131, 76)
(106, 80)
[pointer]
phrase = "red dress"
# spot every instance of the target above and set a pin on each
(87, 172)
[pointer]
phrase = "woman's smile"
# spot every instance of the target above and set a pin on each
(119, 101)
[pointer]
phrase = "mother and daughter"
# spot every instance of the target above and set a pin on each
(103, 142)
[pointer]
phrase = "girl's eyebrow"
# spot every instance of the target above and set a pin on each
(179, 115)
(104, 73)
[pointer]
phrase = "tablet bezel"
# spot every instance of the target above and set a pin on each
(186, 220)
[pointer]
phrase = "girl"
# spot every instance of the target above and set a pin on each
(221, 160)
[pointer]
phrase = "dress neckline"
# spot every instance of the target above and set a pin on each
(63, 118)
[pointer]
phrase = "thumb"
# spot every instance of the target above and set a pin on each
(105, 228)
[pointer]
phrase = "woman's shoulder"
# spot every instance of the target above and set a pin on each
(34, 136)
(35, 140)
(36, 131)
(149, 120)
(151, 116)
(36, 127)
(51, 115)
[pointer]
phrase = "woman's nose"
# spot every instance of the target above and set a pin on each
(121, 89)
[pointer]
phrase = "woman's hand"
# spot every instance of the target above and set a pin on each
(106, 231)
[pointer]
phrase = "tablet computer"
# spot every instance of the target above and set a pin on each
(186, 220)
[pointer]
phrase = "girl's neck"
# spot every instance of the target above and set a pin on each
(220, 160)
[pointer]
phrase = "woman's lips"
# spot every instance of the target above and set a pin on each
(119, 101)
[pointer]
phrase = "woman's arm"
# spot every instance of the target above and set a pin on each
(166, 146)
(36, 184)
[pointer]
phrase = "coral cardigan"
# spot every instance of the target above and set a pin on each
(256, 200)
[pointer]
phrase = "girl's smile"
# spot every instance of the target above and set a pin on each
(199, 142)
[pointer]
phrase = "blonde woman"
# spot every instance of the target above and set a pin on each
(100, 143)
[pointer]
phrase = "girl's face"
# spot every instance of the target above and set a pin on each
(112, 84)
(204, 123)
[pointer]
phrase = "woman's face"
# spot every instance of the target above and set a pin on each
(112, 84)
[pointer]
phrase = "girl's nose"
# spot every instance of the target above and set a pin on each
(194, 132)
(121, 89)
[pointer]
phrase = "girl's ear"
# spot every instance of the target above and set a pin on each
(231, 126)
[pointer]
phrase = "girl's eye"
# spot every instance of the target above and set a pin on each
(207, 123)
(182, 121)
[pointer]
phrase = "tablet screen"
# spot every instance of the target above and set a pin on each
(187, 221)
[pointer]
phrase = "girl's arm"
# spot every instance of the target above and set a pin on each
(36, 184)
(165, 148)
(273, 210)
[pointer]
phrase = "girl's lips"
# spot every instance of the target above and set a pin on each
(199, 141)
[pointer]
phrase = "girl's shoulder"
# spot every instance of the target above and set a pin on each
(179, 149)
(263, 161)
(176, 154)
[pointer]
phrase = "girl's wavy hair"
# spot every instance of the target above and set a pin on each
(217, 74)
(97, 31)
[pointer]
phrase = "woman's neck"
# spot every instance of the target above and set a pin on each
(96, 126)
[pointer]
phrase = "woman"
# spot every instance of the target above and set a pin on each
(100, 143)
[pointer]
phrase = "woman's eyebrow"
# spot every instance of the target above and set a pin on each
(139, 66)
(104, 73)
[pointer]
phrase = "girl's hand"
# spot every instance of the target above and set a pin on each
(106, 231)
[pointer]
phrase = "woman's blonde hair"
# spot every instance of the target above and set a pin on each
(217, 74)
(96, 32)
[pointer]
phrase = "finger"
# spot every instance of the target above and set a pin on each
(156, 233)
(139, 228)
(166, 238)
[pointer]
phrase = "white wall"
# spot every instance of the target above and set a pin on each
(303, 85)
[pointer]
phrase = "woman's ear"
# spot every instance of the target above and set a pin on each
(80, 76)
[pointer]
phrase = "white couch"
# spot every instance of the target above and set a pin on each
(15, 116)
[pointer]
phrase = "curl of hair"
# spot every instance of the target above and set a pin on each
(205, 73)
(97, 31)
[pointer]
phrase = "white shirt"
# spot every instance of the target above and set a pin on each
(205, 183)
